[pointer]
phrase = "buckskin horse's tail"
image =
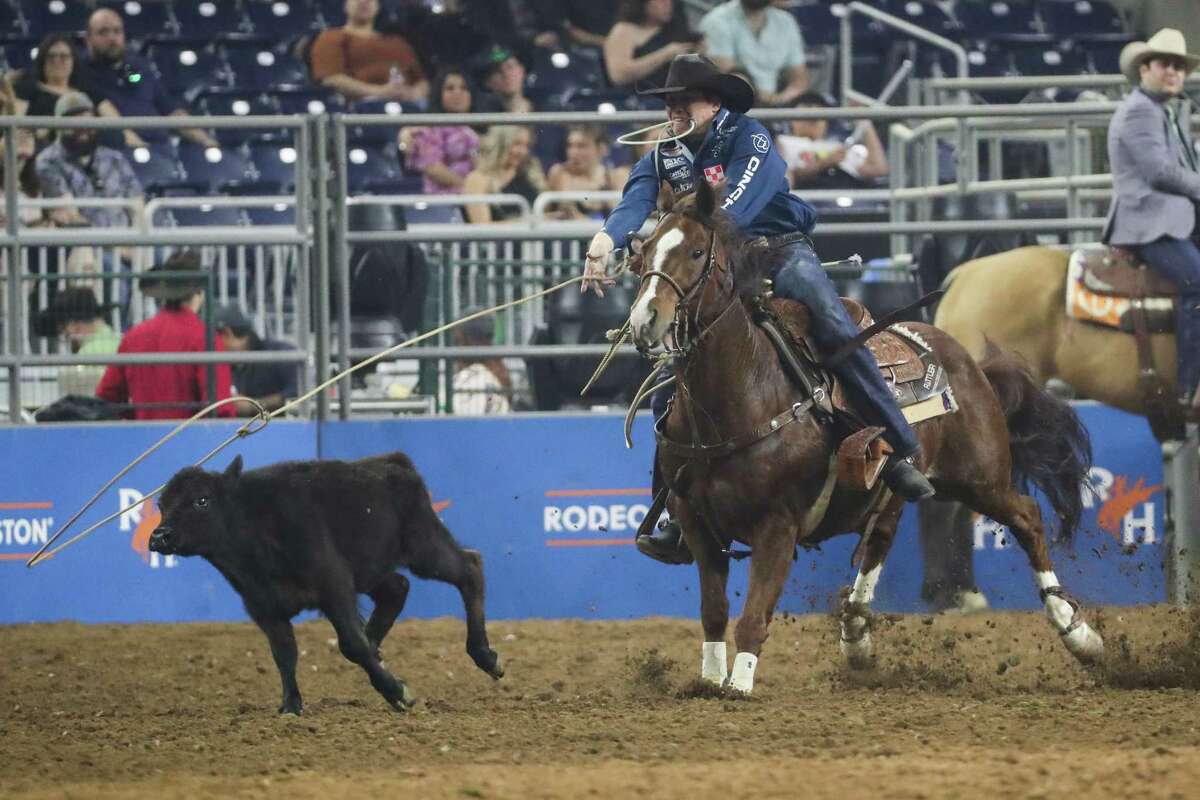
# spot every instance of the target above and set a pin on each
(1050, 446)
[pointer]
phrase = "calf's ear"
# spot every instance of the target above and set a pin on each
(234, 470)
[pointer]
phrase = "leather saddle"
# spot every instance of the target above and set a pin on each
(1103, 283)
(909, 367)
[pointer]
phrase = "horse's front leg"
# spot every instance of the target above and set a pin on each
(714, 603)
(773, 545)
(855, 641)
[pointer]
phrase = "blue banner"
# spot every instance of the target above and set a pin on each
(552, 503)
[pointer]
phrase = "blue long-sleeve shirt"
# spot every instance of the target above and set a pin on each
(737, 149)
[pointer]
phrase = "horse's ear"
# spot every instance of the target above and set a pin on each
(709, 196)
(234, 470)
(666, 197)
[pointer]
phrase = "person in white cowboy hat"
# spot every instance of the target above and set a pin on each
(1156, 184)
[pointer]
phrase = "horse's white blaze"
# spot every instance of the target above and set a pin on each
(742, 676)
(714, 664)
(640, 316)
(864, 586)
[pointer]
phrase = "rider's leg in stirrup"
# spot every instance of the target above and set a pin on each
(665, 541)
(802, 278)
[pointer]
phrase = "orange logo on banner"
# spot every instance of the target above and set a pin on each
(1122, 500)
(440, 505)
(141, 535)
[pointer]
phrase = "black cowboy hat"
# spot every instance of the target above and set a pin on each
(69, 305)
(171, 289)
(694, 72)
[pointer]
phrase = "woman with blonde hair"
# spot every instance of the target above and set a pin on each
(584, 171)
(505, 166)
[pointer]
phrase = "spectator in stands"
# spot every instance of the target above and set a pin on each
(444, 155)
(503, 75)
(648, 34)
(75, 316)
(360, 62)
(54, 73)
(818, 159)
(581, 22)
(75, 166)
(481, 385)
(270, 384)
(584, 170)
(169, 391)
(27, 178)
(505, 167)
(129, 82)
(763, 42)
(1156, 186)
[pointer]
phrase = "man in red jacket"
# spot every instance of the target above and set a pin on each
(168, 391)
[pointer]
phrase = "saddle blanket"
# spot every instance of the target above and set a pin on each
(1088, 302)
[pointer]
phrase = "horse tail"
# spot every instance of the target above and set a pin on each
(1051, 448)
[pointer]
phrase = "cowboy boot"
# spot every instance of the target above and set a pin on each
(902, 477)
(665, 543)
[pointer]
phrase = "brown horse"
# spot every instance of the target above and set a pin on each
(698, 278)
(1016, 300)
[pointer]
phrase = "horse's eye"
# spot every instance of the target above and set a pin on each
(697, 254)
(200, 502)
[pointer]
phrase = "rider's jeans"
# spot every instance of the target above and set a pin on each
(803, 278)
(1178, 260)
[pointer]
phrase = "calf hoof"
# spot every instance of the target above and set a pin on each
(489, 662)
(293, 707)
(405, 700)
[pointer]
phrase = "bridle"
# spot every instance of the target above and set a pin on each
(682, 325)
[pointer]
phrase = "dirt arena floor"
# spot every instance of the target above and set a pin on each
(981, 706)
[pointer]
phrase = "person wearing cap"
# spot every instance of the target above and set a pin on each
(500, 72)
(725, 146)
(270, 384)
(129, 82)
(359, 62)
(1156, 185)
(76, 316)
(76, 166)
(169, 391)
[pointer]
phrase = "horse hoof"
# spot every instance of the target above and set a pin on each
(970, 602)
(859, 654)
(1085, 644)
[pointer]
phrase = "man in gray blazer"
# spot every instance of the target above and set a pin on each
(1156, 185)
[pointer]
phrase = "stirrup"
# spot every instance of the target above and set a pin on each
(902, 477)
(665, 544)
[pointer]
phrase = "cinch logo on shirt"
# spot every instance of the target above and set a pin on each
(670, 163)
(751, 167)
(714, 174)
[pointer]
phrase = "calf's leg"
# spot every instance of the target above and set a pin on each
(389, 597)
(283, 648)
(439, 557)
(342, 612)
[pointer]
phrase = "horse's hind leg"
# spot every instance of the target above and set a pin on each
(714, 603)
(855, 642)
(769, 567)
(1023, 517)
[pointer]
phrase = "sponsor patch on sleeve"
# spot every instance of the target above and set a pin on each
(760, 141)
(714, 174)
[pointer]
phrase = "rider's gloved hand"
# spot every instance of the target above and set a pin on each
(596, 264)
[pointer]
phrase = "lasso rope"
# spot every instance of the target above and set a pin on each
(248, 428)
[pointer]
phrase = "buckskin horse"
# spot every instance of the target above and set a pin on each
(1016, 300)
(750, 456)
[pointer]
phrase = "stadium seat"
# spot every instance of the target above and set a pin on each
(274, 161)
(48, 16)
(255, 65)
(1003, 18)
(556, 74)
(186, 68)
(818, 22)
(274, 215)
(434, 215)
(1104, 54)
(381, 135)
(213, 166)
(155, 165)
(927, 15)
(222, 102)
(1031, 57)
(1091, 18)
(206, 215)
(367, 163)
(209, 19)
(299, 99)
(143, 18)
(281, 19)
(17, 53)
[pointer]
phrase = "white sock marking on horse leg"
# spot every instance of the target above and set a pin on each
(1083, 642)
(1057, 609)
(714, 663)
(742, 676)
(864, 586)
(640, 315)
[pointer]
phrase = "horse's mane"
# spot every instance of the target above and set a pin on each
(751, 266)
